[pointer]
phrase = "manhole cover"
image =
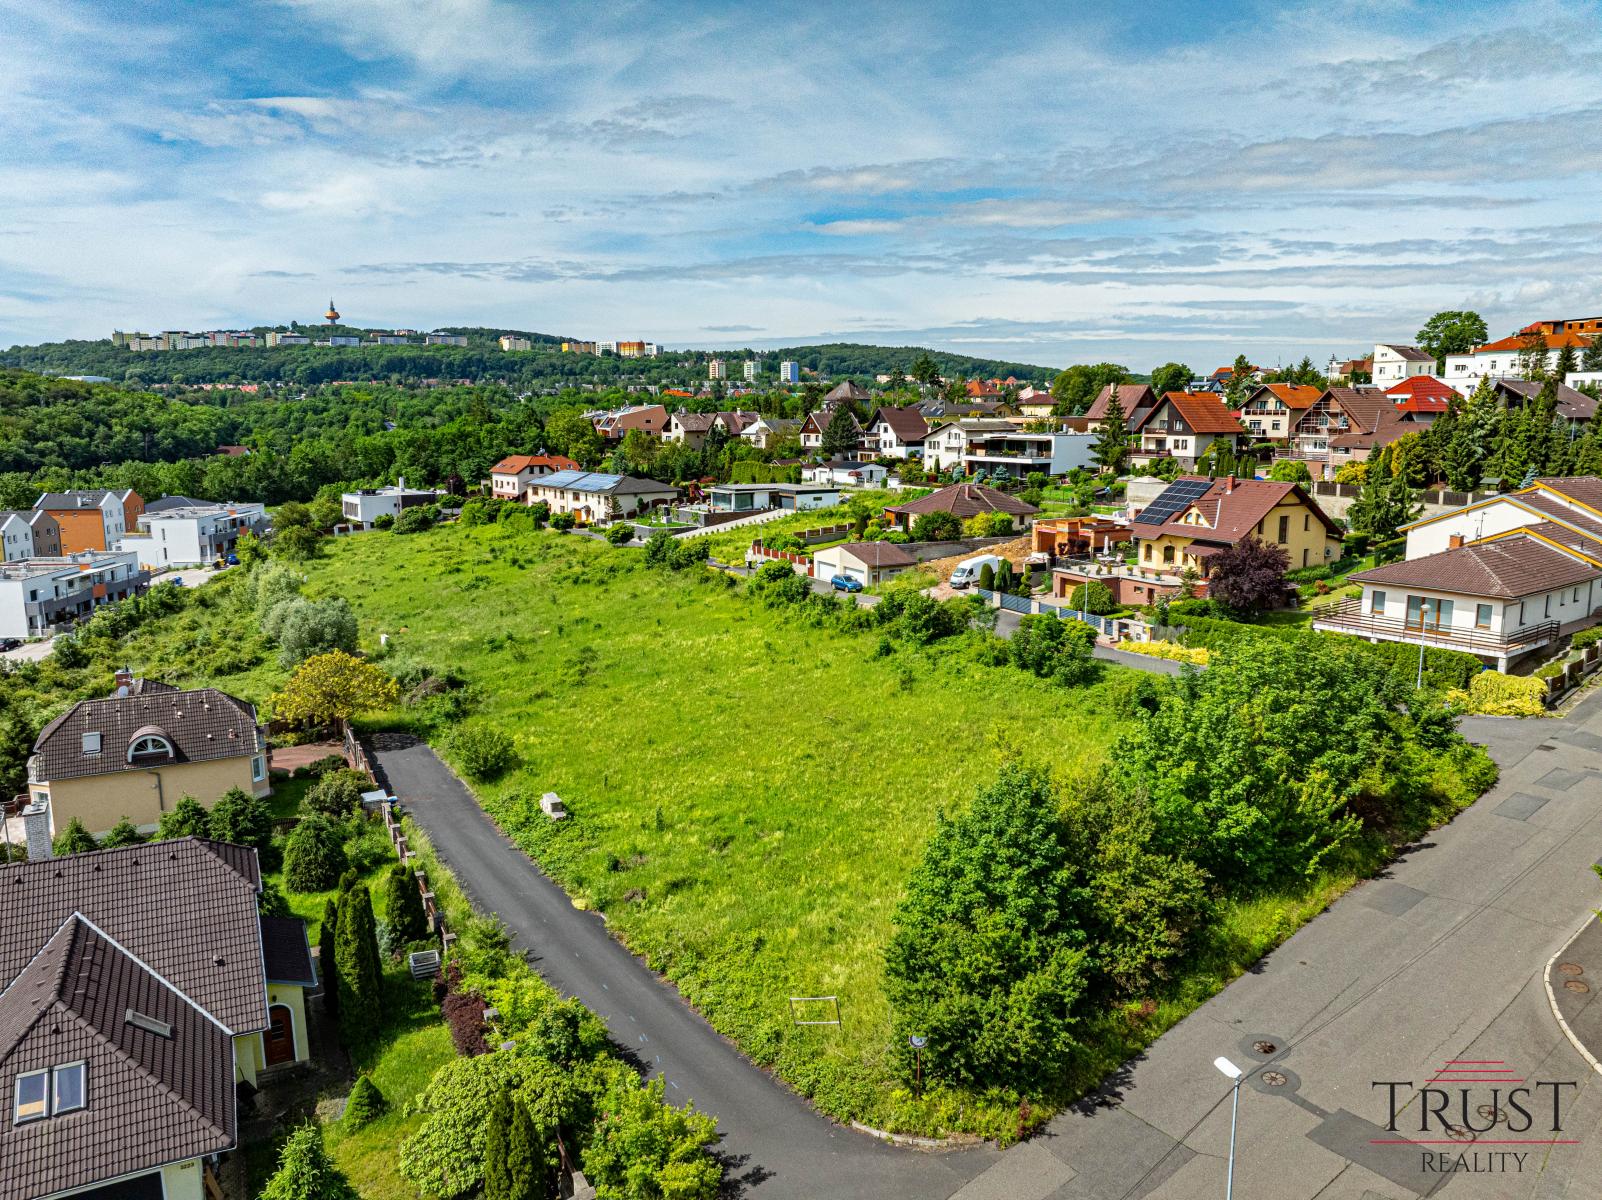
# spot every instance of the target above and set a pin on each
(1264, 1047)
(1575, 985)
(1274, 1078)
(1491, 1113)
(1458, 1134)
(1571, 968)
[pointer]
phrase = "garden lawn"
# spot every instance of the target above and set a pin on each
(748, 794)
(730, 547)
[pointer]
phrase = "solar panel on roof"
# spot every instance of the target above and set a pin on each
(560, 478)
(1174, 499)
(595, 482)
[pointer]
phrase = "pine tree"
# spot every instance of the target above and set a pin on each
(356, 958)
(1591, 360)
(306, 1172)
(514, 1155)
(1112, 444)
(326, 956)
(1567, 364)
(123, 833)
(403, 907)
(74, 839)
(840, 434)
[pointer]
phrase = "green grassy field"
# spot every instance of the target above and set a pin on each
(749, 794)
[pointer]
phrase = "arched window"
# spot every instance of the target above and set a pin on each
(149, 746)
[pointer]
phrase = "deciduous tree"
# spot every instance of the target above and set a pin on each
(1248, 576)
(334, 686)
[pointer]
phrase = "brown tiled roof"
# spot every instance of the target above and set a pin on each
(966, 500)
(879, 554)
(179, 906)
(846, 391)
(1582, 489)
(150, 1099)
(1386, 430)
(1580, 541)
(1572, 404)
(1362, 406)
(1233, 510)
(1130, 397)
(286, 956)
(1505, 569)
(1204, 412)
(200, 725)
(1410, 353)
(906, 423)
(693, 422)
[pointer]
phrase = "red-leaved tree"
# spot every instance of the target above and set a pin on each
(1248, 576)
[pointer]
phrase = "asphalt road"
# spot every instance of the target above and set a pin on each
(1440, 959)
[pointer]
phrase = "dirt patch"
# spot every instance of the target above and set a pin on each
(1014, 552)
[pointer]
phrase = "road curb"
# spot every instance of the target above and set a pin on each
(1551, 995)
(907, 1139)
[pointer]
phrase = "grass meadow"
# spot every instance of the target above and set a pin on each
(748, 793)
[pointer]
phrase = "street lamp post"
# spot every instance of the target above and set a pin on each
(1423, 624)
(1233, 1072)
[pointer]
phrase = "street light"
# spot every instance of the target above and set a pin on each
(1233, 1072)
(1423, 624)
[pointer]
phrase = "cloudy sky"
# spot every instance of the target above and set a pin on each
(1049, 182)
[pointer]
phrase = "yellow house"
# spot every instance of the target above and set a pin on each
(135, 754)
(1195, 517)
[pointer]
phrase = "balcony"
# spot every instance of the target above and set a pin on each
(1348, 617)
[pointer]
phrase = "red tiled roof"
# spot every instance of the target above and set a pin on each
(1423, 404)
(1232, 509)
(1204, 412)
(1554, 341)
(1296, 395)
(516, 464)
(1420, 386)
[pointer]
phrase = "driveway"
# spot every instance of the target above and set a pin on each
(30, 651)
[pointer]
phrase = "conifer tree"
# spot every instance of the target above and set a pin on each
(356, 960)
(326, 955)
(1112, 445)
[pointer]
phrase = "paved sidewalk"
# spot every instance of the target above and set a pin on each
(1574, 985)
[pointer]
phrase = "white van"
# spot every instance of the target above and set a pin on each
(968, 570)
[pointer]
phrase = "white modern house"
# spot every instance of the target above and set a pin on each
(1394, 363)
(844, 473)
(366, 505)
(37, 594)
(1000, 447)
(1500, 578)
(179, 532)
(30, 533)
(593, 496)
(756, 497)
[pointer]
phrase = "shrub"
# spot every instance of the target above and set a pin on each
(240, 818)
(384, 522)
(306, 627)
(364, 1105)
(1197, 655)
(1052, 648)
(620, 534)
(403, 906)
(445, 1157)
(123, 833)
(936, 527)
(1493, 694)
(658, 548)
(464, 1014)
(515, 1157)
(688, 554)
(74, 839)
(188, 818)
(644, 1146)
(562, 521)
(305, 1172)
(1094, 598)
(314, 857)
(414, 519)
(1586, 637)
(987, 578)
(484, 752)
(338, 793)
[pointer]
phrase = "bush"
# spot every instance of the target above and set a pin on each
(121, 834)
(364, 1105)
(338, 794)
(240, 818)
(936, 527)
(403, 906)
(1053, 648)
(304, 627)
(414, 519)
(1493, 694)
(384, 522)
(74, 839)
(305, 1172)
(1170, 650)
(1586, 637)
(187, 818)
(464, 1014)
(314, 857)
(1094, 598)
(360, 971)
(687, 554)
(620, 534)
(644, 1146)
(445, 1157)
(562, 521)
(483, 751)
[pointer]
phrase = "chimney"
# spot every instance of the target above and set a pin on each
(1455, 542)
(36, 828)
(123, 678)
(1229, 484)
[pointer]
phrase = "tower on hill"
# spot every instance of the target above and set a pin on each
(332, 315)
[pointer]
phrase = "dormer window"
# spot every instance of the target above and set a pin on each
(51, 1093)
(149, 747)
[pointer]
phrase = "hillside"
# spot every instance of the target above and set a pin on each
(481, 360)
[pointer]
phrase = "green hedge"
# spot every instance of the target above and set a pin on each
(751, 471)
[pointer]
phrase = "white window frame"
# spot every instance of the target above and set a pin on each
(17, 1117)
(91, 743)
(133, 748)
(258, 769)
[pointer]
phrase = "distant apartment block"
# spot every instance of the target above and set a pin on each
(579, 348)
(38, 594)
(717, 369)
(789, 372)
(445, 339)
(91, 520)
(276, 338)
(510, 343)
(753, 368)
(634, 349)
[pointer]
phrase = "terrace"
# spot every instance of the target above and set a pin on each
(1348, 617)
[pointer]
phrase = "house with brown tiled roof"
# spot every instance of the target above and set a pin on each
(866, 562)
(136, 753)
(1182, 426)
(1136, 399)
(1394, 362)
(894, 432)
(139, 990)
(1338, 411)
(816, 422)
(1270, 413)
(510, 477)
(963, 500)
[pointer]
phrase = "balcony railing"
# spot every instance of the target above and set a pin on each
(1348, 617)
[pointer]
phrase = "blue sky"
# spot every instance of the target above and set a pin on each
(1050, 182)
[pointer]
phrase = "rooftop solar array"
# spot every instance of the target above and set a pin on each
(580, 481)
(1174, 499)
(560, 478)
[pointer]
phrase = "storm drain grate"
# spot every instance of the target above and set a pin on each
(1264, 1047)
(1575, 985)
(1273, 1078)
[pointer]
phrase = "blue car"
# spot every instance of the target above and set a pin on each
(844, 583)
(232, 560)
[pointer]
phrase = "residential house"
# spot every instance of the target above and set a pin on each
(134, 754)
(591, 496)
(1565, 510)
(91, 520)
(1393, 363)
(767, 432)
(1136, 399)
(1183, 426)
(941, 409)
(847, 392)
(945, 446)
(1348, 370)
(1194, 519)
(866, 562)
(1036, 403)
(614, 424)
(841, 472)
(366, 505)
(1590, 326)
(963, 500)
(1271, 412)
(895, 432)
(510, 477)
(1573, 405)
(1499, 598)
(759, 497)
(1505, 358)
(1422, 394)
(1338, 411)
(140, 995)
(28, 533)
(179, 532)
(40, 595)
(1015, 453)
(692, 428)
(816, 423)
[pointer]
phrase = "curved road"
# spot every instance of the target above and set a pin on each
(1441, 958)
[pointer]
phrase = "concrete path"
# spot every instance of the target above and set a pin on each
(1439, 961)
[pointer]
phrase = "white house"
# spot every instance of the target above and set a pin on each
(896, 432)
(766, 432)
(37, 594)
(1505, 359)
(843, 473)
(592, 496)
(510, 477)
(179, 532)
(756, 497)
(1394, 363)
(29, 533)
(1566, 510)
(366, 505)
(866, 562)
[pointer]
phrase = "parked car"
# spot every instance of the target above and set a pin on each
(232, 560)
(845, 583)
(9, 643)
(969, 569)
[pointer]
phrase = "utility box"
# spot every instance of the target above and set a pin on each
(551, 805)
